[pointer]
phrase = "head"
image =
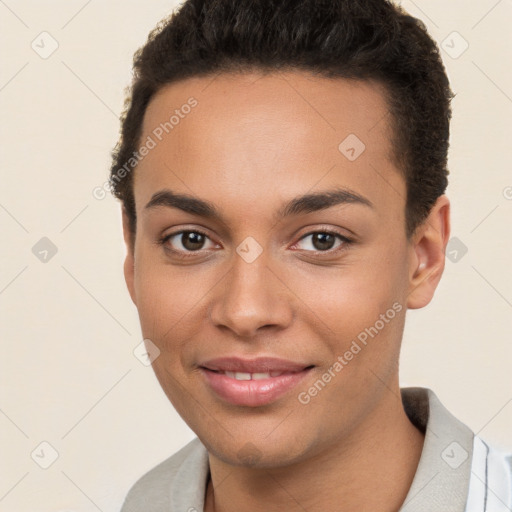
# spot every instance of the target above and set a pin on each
(282, 169)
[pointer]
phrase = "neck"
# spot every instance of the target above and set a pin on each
(372, 469)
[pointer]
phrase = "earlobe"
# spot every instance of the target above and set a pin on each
(129, 262)
(428, 254)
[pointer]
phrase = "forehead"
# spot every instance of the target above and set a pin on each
(281, 133)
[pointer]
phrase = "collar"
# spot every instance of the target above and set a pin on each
(442, 478)
(441, 481)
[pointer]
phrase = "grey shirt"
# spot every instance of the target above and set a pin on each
(457, 471)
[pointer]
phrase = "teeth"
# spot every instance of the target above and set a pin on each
(256, 376)
(239, 375)
(252, 376)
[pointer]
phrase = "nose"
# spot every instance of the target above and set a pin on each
(252, 297)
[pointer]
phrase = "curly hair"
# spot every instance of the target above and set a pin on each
(353, 39)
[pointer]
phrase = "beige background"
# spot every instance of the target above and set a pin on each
(68, 327)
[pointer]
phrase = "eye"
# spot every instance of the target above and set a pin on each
(324, 241)
(187, 241)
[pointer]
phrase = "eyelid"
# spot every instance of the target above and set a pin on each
(346, 240)
(164, 239)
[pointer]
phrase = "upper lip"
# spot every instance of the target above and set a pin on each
(258, 365)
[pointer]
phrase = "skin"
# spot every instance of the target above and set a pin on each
(251, 144)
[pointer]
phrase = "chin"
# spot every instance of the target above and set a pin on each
(251, 453)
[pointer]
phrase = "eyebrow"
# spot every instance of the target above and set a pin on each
(307, 203)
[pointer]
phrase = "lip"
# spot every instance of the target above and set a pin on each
(252, 393)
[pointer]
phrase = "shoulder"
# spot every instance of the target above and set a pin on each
(153, 491)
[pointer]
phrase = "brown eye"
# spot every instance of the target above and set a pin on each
(186, 241)
(323, 241)
(192, 240)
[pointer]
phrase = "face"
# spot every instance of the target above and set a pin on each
(260, 236)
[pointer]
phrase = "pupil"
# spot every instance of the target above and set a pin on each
(323, 241)
(192, 241)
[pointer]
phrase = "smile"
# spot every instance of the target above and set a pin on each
(261, 382)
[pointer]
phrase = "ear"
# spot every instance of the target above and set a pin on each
(428, 248)
(129, 262)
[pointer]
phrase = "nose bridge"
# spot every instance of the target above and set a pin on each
(251, 296)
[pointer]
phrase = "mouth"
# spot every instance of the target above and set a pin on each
(251, 376)
(252, 383)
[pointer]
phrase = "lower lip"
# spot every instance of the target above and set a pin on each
(252, 393)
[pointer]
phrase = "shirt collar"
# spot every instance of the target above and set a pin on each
(441, 482)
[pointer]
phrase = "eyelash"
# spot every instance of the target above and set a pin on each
(162, 241)
(180, 254)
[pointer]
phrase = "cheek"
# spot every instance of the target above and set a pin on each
(166, 306)
(359, 307)
(172, 307)
(353, 294)
(164, 294)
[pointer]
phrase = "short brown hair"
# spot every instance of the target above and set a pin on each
(360, 39)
